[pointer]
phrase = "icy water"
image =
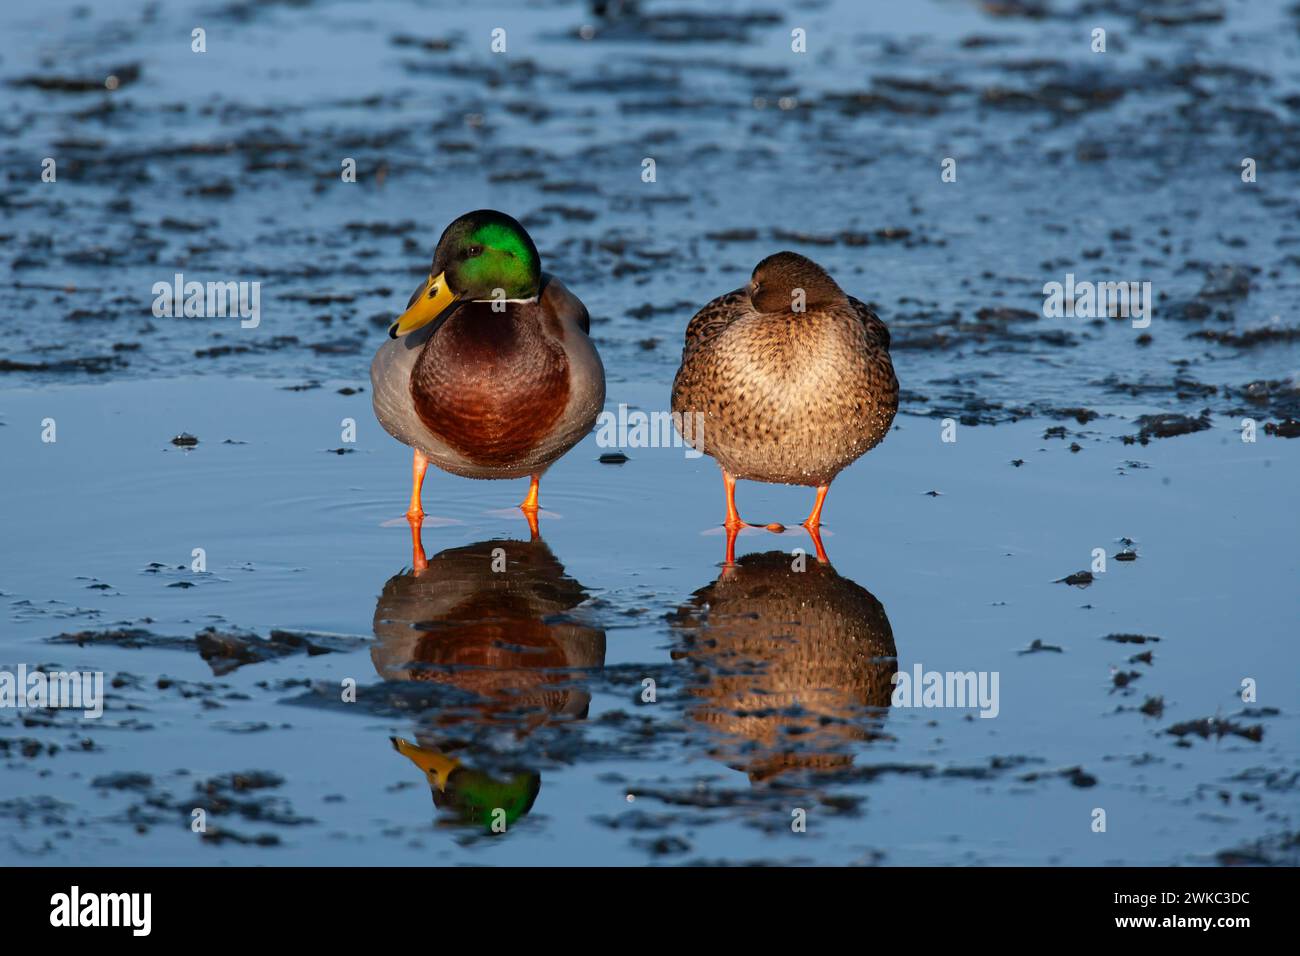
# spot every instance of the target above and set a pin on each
(525, 689)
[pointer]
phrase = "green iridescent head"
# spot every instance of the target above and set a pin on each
(484, 251)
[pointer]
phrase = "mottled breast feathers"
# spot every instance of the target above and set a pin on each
(786, 396)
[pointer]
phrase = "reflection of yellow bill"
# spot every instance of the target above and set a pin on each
(438, 766)
(430, 303)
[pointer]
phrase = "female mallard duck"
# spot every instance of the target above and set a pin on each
(490, 373)
(788, 378)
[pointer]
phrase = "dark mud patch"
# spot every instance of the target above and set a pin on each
(30, 748)
(1288, 428)
(1038, 647)
(1075, 776)
(992, 769)
(123, 781)
(92, 364)
(1153, 707)
(1216, 727)
(1250, 338)
(765, 808)
(131, 638)
(39, 811)
(113, 78)
(1120, 680)
(1079, 579)
(213, 808)
(1282, 849)
(226, 651)
(238, 794)
(1131, 638)
(1168, 426)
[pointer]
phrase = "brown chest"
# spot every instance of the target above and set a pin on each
(491, 385)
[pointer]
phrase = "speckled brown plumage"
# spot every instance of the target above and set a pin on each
(785, 661)
(787, 396)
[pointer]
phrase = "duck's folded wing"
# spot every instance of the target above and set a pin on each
(557, 300)
(714, 317)
(877, 331)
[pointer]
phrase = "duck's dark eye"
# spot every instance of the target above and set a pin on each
(473, 251)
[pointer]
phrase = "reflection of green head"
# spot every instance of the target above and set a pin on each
(482, 800)
(472, 795)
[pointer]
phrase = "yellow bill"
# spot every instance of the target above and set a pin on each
(430, 302)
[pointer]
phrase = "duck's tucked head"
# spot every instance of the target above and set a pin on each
(780, 279)
(483, 255)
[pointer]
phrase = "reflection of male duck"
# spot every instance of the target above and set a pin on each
(788, 658)
(488, 618)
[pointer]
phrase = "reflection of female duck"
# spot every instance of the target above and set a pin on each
(488, 618)
(788, 656)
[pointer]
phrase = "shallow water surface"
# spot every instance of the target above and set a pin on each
(772, 684)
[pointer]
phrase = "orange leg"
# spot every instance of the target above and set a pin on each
(529, 505)
(815, 519)
(530, 502)
(419, 465)
(734, 521)
(418, 561)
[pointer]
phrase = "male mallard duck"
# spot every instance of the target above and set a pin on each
(790, 377)
(490, 373)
